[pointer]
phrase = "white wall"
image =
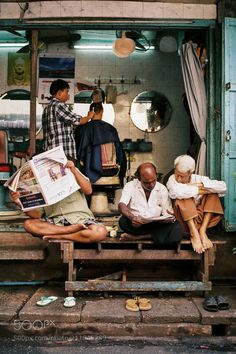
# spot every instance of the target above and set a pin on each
(156, 71)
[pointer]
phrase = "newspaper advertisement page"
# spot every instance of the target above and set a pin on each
(30, 191)
(44, 180)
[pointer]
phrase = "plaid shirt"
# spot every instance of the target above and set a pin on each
(58, 127)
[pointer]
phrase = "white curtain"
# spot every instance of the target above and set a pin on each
(196, 95)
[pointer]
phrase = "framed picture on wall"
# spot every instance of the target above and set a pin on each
(53, 67)
(18, 70)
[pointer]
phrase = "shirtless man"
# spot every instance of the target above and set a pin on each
(197, 204)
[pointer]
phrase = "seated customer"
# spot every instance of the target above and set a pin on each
(142, 202)
(68, 219)
(196, 201)
(96, 142)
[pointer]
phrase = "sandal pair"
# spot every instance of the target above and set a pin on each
(69, 301)
(215, 303)
(137, 304)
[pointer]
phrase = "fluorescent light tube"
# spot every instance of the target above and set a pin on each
(101, 47)
(13, 44)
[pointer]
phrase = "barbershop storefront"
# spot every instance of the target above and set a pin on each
(154, 65)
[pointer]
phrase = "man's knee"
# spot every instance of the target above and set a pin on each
(99, 233)
(31, 228)
(28, 225)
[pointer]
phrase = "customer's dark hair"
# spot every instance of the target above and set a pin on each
(96, 107)
(58, 85)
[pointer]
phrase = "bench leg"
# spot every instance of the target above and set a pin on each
(205, 277)
(71, 274)
(71, 265)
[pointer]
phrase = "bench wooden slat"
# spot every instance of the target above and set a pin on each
(183, 241)
(107, 285)
(116, 241)
(129, 254)
(22, 254)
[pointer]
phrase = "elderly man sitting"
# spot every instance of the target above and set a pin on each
(196, 201)
(146, 209)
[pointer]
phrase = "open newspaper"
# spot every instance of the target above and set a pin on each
(43, 180)
(168, 218)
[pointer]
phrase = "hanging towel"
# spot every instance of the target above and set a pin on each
(111, 94)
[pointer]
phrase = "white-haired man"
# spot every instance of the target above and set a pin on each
(197, 204)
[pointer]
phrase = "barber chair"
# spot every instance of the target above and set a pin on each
(105, 187)
(6, 169)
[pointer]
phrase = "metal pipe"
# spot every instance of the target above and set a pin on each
(3, 283)
(33, 85)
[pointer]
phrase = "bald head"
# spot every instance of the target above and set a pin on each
(147, 175)
(146, 168)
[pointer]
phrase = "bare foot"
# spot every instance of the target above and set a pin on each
(206, 242)
(75, 228)
(53, 237)
(196, 241)
(129, 237)
(197, 245)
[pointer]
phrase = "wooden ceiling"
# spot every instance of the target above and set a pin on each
(168, 1)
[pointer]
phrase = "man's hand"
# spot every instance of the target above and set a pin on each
(202, 191)
(70, 164)
(136, 221)
(14, 196)
(90, 114)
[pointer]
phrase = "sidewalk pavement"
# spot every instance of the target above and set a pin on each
(106, 317)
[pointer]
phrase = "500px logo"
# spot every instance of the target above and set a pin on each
(27, 325)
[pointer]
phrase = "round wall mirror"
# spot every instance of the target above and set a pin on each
(15, 114)
(150, 111)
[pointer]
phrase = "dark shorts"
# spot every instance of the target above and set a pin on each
(64, 222)
(161, 233)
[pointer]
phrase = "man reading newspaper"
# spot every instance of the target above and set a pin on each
(69, 217)
(43, 180)
(146, 209)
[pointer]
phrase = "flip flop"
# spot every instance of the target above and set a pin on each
(131, 305)
(69, 301)
(222, 302)
(46, 300)
(144, 304)
(210, 304)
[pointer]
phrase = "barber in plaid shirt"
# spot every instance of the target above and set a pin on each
(59, 122)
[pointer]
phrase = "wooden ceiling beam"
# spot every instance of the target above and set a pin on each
(166, 1)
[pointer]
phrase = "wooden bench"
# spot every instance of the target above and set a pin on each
(134, 251)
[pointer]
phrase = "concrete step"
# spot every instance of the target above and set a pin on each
(106, 317)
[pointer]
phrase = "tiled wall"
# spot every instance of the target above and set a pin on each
(156, 71)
